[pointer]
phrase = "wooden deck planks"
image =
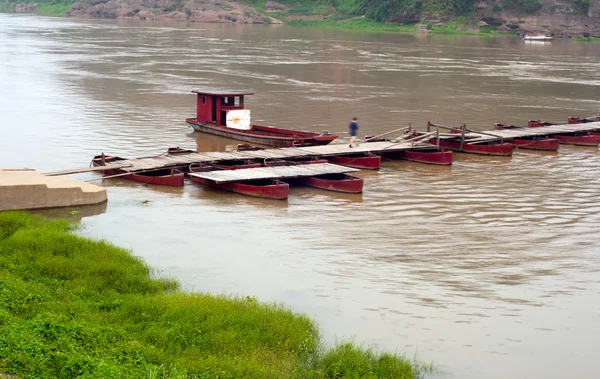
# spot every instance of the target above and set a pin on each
(140, 164)
(504, 134)
(278, 172)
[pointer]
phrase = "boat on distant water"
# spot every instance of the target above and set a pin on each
(162, 177)
(222, 113)
(537, 38)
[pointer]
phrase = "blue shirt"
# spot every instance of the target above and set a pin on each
(353, 126)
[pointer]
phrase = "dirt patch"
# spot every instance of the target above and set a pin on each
(218, 11)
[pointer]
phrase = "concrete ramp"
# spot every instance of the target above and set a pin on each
(28, 189)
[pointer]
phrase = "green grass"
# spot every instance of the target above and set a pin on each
(53, 9)
(586, 40)
(361, 24)
(45, 7)
(74, 307)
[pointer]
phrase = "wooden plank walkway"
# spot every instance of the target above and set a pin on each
(472, 136)
(277, 172)
(139, 164)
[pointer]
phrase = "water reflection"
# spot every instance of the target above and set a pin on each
(73, 214)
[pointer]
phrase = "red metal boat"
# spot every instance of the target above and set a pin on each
(178, 151)
(581, 120)
(264, 188)
(162, 177)
(331, 182)
(500, 126)
(538, 123)
(486, 148)
(530, 143)
(335, 182)
(443, 157)
(101, 160)
(438, 157)
(365, 161)
(577, 138)
(223, 114)
(580, 139)
(536, 143)
(289, 162)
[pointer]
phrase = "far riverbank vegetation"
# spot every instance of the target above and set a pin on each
(398, 16)
(75, 307)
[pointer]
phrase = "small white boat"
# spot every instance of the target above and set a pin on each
(538, 38)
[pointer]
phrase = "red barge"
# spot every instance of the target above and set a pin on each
(486, 148)
(581, 120)
(429, 156)
(590, 138)
(530, 143)
(366, 161)
(264, 188)
(457, 141)
(223, 114)
(163, 177)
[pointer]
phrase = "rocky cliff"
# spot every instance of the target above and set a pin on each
(182, 10)
(561, 19)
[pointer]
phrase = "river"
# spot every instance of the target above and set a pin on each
(489, 268)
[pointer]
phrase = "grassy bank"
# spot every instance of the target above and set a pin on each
(45, 7)
(457, 26)
(73, 307)
(586, 40)
(358, 24)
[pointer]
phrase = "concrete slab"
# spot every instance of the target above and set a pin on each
(28, 189)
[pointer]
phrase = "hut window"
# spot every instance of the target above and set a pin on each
(203, 99)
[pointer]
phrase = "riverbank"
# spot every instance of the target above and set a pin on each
(71, 306)
(559, 19)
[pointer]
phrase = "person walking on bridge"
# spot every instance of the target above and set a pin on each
(353, 129)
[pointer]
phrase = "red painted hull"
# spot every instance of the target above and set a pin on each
(538, 123)
(264, 135)
(164, 177)
(579, 120)
(443, 158)
(335, 182)
(371, 162)
(283, 162)
(550, 144)
(589, 139)
(97, 162)
(266, 189)
(173, 179)
(500, 149)
(177, 150)
(499, 126)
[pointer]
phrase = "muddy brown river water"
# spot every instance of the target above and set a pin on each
(490, 268)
